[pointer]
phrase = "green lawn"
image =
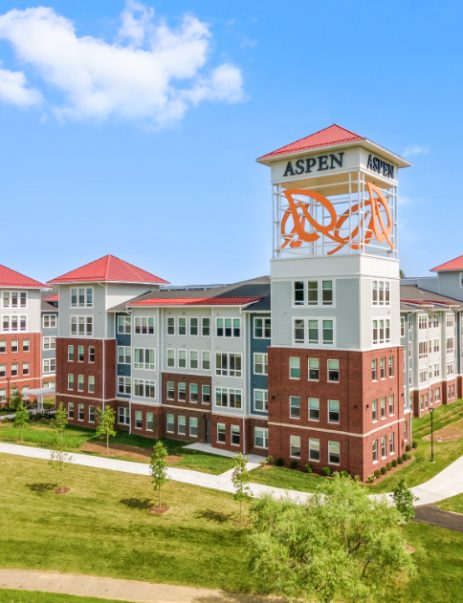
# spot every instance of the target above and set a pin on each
(454, 504)
(40, 433)
(289, 479)
(21, 596)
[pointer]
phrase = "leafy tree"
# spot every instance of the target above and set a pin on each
(404, 500)
(240, 480)
(15, 398)
(21, 418)
(106, 422)
(158, 468)
(59, 455)
(344, 546)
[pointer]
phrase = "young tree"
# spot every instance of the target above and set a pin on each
(59, 455)
(158, 468)
(343, 546)
(106, 422)
(15, 398)
(21, 418)
(404, 500)
(240, 480)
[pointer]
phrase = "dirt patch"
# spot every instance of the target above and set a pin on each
(137, 453)
(158, 509)
(449, 433)
(62, 490)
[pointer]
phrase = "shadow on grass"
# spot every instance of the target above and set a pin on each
(216, 516)
(137, 503)
(42, 487)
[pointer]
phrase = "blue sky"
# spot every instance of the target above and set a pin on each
(154, 160)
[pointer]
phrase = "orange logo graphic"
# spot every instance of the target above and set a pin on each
(375, 221)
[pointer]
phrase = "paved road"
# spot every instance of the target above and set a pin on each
(439, 517)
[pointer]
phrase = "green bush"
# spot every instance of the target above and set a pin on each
(406, 456)
(308, 467)
(400, 460)
(280, 462)
(269, 460)
(371, 478)
(294, 464)
(394, 463)
(408, 447)
(414, 444)
(388, 466)
(327, 471)
(377, 473)
(344, 473)
(383, 470)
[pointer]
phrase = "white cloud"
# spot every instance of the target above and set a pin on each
(151, 72)
(417, 149)
(14, 90)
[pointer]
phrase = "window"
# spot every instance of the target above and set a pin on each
(70, 410)
(314, 450)
(170, 387)
(91, 353)
(262, 328)
(14, 299)
(328, 332)
(205, 326)
(82, 325)
(206, 360)
(80, 383)
(170, 358)
(261, 400)
(194, 427)
(123, 415)
(70, 353)
(14, 345)
(149, 421)
(334, 453)
(374, 410)
(206, 394)
(294, 407)
(391, 405)
(194, 326)
(294, 367)
(228, 397)
(382, 368)
(25, 369)
(124, 386)
(298, 295)
(374, 451)
(235, 433)
(228, 327)
(318, 293)
(381, 331)
(138, 419)
(144, 388)
(170, 422)
(181, 358)
(49, 365)
(383, 446)
(314, 409)
(312, 293)
(221, 434)
(14, 323)
(391, 366)
(295, 447)
(402, 326)
(181, 387)
(81, 297)
(144, 325)
(80, 412)
(170, 325)
(91, 384)
(14, 369)
(333, 371)
(91, 414)
(260, 437)
(2, 346)
(422, 322)
(381, 293)
(333, 411)
(49, 321)
(314, 369)
(298, 330)
(450, 320)
(261, 364)
(123, 325)
(327, 293)
(49, 343)
(313, 331)
(3, 370)
(383, 408)
(228, 365)
(194, 393)
(194, 359)
(392, 443)
(182, 325)
(144, 358)
(374, 369)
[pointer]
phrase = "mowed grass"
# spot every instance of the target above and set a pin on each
(289, 479)
(454, 504)
(101, 527)
(40, 433)
(22, 596)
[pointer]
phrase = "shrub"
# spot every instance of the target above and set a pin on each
(308, 467)
(408, 447)
(280, 462)
(326, 471)
(388, 466)
(269, 460)
(414, 444)
(293, 464)
(400, 460)
(406, 456)
(377, 473)
(344, 473)
(394, 463)
(371, 478)
(383, 470)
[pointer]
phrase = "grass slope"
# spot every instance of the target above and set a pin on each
(454, 504)
(22, 596)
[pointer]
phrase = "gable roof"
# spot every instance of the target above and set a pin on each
(451, 266)
(108, 269)
(11, 278)
(330, 136)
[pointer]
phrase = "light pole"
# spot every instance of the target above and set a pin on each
(431, 411)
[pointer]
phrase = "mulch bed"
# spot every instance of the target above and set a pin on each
(449, 433)
(158, 510)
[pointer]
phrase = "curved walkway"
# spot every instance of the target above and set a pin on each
(447, 483)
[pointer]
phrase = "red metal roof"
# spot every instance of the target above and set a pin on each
(11, 278)
(450, 266)
(195, 301)
(108, 269)
(330, 136)
(52, 298)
